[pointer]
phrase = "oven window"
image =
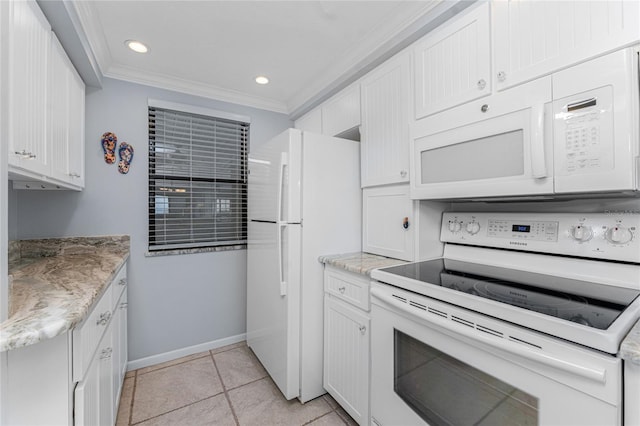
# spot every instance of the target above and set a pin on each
(445, 391)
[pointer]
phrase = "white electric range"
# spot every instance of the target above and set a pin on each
(520, 321)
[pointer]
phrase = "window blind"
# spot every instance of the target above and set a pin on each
(197, 180)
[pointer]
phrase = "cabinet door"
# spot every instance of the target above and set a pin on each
(94, 404)
(76, 127)
(311, 121)
(533, 38)
(346, 357)
(120, 347)
(58, 112)
(341, 112)
(29, 45)
(388, 223)
(66, 118)
(385, 105)
(452, 64)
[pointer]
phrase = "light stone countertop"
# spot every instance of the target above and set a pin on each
(360, 263)
(630, 347)
(54, 283)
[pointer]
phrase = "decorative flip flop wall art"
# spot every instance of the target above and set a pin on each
(126, 156)
(109, 141)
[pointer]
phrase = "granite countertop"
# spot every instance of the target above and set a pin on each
(360, 263)
(54, 283)
(630, 347)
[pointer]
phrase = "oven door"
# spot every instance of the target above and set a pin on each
(436, 364)
(496, 147)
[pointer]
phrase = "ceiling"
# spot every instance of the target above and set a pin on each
(308, 49)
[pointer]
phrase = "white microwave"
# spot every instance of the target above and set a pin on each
(570, 133)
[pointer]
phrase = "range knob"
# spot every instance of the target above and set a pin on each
(618, 235)
(454, 226)
(581, 233)
(473, 227)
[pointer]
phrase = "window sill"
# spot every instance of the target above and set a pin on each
(194, 250)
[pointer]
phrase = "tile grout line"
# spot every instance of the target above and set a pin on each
(133, 395)
(224, 389)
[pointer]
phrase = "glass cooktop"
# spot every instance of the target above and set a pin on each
(590, 304)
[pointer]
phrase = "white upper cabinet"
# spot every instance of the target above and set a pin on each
(386, 102)
(46, 103)
(533, 38)
(29, 47)
(452, 64)
(66, 118)
(341, 112)
(389, 222)
(310, 122)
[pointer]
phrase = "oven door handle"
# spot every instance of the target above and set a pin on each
(596, 375)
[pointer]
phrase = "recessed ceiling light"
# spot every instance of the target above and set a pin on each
(261, 79)
(136, 46)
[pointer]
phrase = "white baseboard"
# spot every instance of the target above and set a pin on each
(179, 353)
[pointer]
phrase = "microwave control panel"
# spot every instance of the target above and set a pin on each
(584, 131)
(612, 235)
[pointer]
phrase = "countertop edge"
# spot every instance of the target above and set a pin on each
(37, 323)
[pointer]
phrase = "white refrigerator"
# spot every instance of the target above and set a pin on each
(304, 201)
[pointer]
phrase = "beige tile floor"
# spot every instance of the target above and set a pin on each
(225, 386)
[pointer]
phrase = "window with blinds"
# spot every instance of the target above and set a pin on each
(197, 180)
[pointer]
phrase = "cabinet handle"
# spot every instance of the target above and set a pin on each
(25, 154)
(74, 175)
(363, 329)
(124, 305)
(106, 353)
(405, 223)
(502, 76)
(403, 173)
(482, 84)
(104, 318)
(341, 290)
(123, 281)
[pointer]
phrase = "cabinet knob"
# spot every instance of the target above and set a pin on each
(124, 305)
(502, 76)
(363, 329)
(484, 108)
(482, 84)
(403, 173)
(123, 281)
(104, 318)
(341, 290)
(106, 353)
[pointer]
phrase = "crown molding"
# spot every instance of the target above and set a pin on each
(195, 88)
(366, 57)
(90, 29)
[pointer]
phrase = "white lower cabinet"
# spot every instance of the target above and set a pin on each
(75, 378)
(347, 341)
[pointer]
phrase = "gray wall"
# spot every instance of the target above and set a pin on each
(174, 301)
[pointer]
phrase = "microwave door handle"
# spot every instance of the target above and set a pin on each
(538, 163)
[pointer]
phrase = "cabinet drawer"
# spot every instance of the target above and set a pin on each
(87, 336)
(351, 288)
(119, 284)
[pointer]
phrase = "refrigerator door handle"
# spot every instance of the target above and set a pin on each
(284, 160)
(283, 284)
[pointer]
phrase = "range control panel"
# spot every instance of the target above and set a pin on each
(614, 236)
